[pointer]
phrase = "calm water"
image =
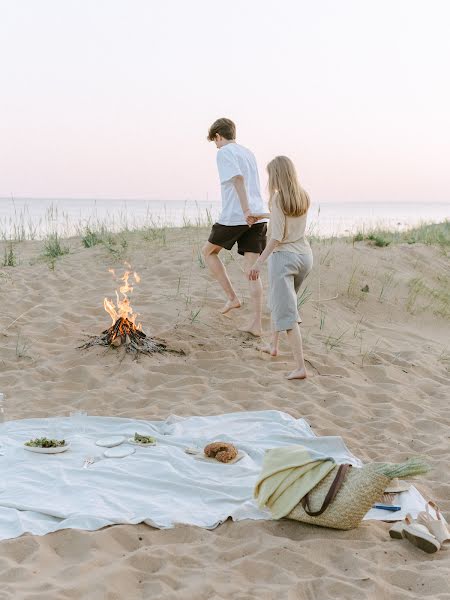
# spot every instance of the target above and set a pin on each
(33, 217)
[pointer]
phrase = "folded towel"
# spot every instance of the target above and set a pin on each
(288, 474)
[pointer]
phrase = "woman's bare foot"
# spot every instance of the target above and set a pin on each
(298, 374)
(230, 304)
(269, 349)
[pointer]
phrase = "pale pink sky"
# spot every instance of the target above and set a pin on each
(109, 98)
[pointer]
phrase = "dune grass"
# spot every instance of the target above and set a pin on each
(304, 296)
(91, 237)
(153, 232)
(21, 226)
(10, 258)
(379, 240)
(422, 297)
(436, 234)
(53, 247)
(117, 246)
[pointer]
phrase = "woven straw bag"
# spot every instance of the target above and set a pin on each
(342, 498)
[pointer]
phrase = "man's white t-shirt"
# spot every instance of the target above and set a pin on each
(233, 159)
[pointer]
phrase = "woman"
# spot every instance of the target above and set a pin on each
(290, 255)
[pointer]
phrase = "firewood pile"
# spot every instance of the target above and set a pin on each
(124, 333)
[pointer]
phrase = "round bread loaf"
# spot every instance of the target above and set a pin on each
(221, 451)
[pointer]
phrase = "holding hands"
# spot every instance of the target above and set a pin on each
(251, 219)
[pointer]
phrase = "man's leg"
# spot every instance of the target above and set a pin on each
(217, 269)
(256, 295)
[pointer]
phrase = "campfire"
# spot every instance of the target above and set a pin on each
(124, 331)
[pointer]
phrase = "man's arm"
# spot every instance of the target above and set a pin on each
(239, 185)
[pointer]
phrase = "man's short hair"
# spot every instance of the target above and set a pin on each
(224, 127)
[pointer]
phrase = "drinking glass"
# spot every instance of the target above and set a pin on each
(78, 418)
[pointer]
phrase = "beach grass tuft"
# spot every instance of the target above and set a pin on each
(194, 314)
(335, 341)
(200, 259)
(422, 297)
(10, 258)
(379, 240)
(53, 247)
(116, 246)
(322, 317)
(154, 232)
(91, 238)
(387, 283)
(359, 237)
(304, 297)
(353, 286)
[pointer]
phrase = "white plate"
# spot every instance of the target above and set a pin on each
(219, 462)
(56, 450)
(200, 455)
(110, 442)
(131, 441)
(119, 452)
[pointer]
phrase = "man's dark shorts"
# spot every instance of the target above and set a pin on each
(249, 239)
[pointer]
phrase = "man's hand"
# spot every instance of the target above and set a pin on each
(254, 271)
(251, 219)
(248, 217)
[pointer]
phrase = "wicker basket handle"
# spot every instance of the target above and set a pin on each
(331, 495)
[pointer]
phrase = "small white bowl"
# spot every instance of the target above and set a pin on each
(110, 442)
(55, 450)
(119, 452)
(132, 441)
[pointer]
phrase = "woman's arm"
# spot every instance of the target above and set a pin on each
(277, 222)
(255, 270)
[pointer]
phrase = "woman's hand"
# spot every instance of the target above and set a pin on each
(254, 271)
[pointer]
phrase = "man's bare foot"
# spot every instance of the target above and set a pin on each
(298, 374)
(252, 329)
(269, 349)
(230, 304)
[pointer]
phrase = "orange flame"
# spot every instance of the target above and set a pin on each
(122, 308)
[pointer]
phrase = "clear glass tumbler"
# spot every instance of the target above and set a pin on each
(78, 418)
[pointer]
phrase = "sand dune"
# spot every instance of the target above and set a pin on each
(378, 364)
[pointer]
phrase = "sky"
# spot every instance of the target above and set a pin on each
(113, 98)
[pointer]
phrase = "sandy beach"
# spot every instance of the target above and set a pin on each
(378, 376)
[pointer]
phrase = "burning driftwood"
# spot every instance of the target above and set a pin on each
(124, 331)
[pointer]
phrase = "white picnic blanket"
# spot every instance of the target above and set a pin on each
(161, 485)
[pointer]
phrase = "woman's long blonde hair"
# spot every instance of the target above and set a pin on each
(294, 201)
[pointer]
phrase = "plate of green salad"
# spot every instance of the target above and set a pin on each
(46, 446)
(142, 440)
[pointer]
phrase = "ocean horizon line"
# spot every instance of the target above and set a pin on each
(208, 201)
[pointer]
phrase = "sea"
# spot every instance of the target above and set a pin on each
(35, 218)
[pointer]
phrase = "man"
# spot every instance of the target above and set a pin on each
(241, 199)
